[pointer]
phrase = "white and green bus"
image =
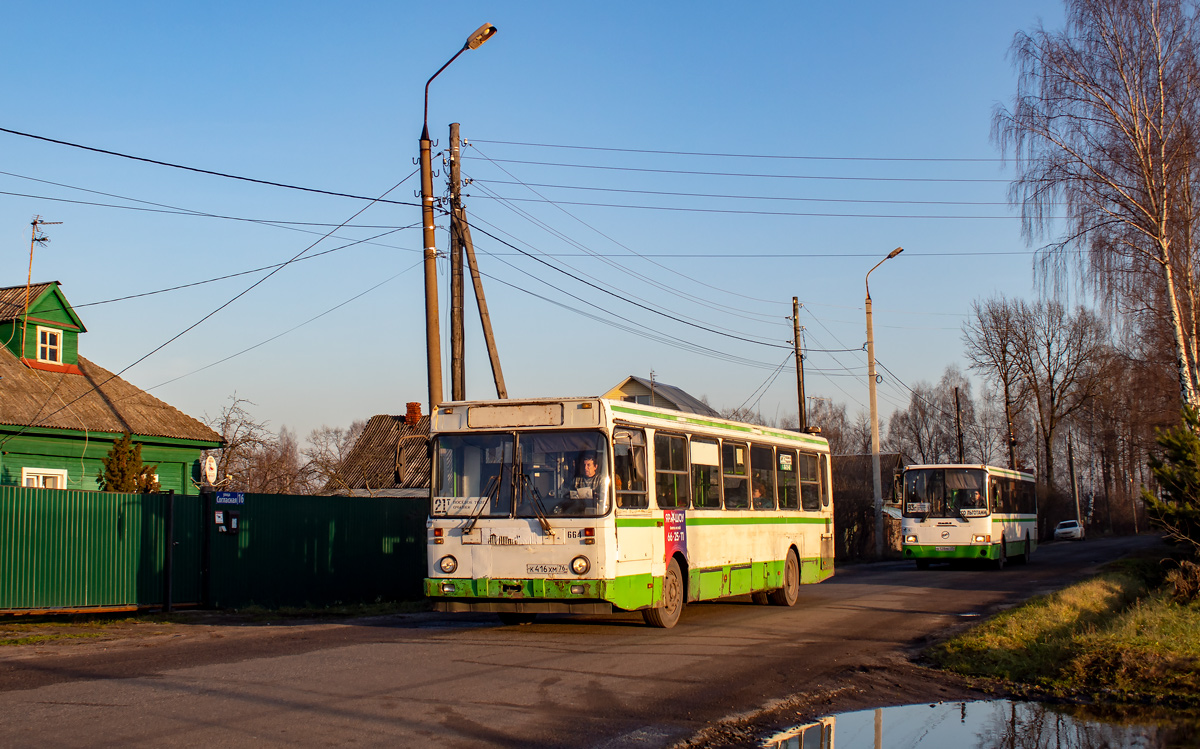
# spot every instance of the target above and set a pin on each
(968, 512)
(588, 505)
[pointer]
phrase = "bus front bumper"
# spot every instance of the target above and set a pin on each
(965, 551)
(527, 596)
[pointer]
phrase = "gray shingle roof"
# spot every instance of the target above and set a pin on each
(95, 401)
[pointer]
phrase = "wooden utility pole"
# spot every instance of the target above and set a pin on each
(803, 415)
(458, 388)
(36, 238)
(460, 236)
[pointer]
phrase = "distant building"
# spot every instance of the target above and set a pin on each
(60, 413)
(639, 390)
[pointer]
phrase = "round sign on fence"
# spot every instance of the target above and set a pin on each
(210, 469)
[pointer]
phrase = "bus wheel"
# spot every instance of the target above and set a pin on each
(922, 564)
(790, 592)
(1003, 558)
(512, 618)
(760, 597)
(1024, 558)
(667, 614)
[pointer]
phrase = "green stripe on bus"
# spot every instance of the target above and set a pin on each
(719, 425)
(1014, 520)
(749, 520)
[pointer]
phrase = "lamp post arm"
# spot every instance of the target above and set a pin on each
(425, 120)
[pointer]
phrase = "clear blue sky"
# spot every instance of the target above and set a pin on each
(329, 97)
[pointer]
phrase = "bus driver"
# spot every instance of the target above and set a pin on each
(586, 490)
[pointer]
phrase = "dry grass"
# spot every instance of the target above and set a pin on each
(1113, 635)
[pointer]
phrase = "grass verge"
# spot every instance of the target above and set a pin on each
(1117, 637)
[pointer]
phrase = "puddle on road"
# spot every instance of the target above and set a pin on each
(998, 724)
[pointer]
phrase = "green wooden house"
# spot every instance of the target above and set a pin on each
(60, 413)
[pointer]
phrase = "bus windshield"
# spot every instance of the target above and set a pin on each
(561, 474)
(473, 475)
(945, 493)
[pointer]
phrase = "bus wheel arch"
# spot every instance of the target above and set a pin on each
(674, 595)
(790, 592)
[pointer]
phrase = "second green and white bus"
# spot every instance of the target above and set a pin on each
(961, 512)
(588, 505)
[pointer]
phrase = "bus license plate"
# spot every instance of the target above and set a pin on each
(943, 548)
(545, 569)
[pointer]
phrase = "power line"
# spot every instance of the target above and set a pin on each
(289, 330)
(669, 193)
(242, 273)
(752, 175)
(177, 336)
(773, 157)
(156, 162)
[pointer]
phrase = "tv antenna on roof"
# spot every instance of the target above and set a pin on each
(36, 238)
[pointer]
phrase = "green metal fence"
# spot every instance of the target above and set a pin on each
(309, 551)
(82, 549)
(69, 550)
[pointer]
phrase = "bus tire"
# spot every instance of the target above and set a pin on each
(1003, 558)
(1024, 558)
(922, 564)
(760, 597)
(790, 592)
(667, 614)
(516, 618)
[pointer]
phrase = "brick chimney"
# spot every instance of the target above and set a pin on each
(414, 414)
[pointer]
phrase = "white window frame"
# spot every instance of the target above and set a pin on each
(59, 348)
(41, 474)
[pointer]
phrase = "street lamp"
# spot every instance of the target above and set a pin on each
(433, 334)
(875, 411)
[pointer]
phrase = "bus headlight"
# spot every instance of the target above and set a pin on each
(910, 539)
(448, 564)
(580, 565)
(981, 539)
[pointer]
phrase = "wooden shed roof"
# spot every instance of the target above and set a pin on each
(389, 454)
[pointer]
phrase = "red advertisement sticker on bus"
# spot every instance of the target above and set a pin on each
(675, 526)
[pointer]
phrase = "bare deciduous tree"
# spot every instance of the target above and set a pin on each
(991, 343)
(326, 453)
(1061, 356)
(1103, 126)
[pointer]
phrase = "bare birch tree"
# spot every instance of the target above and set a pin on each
(1103, 128)
(991, 348)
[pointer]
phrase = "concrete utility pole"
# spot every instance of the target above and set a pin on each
(875, 411)
(458, 365)
(433, 333)
(803, 415)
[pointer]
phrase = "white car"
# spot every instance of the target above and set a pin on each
(1069, 530)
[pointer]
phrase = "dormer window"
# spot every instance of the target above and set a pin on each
(49, 345)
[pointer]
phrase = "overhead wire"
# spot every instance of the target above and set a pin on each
(210, 172)
(291, 329)
(634, 252)
(772, 157)
(193, 326)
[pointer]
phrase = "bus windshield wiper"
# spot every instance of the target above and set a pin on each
(490, 494)
(539, 510)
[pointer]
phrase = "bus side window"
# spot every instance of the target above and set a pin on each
(789, 483)
(810, 485)
(629, 460)
(671, 486)
(762, 477)
(706, 473)
(997, 492)
(734, 458)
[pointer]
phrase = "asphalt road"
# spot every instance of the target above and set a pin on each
(464, 680)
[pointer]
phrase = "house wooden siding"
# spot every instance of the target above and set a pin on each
(81, 454)
(64, 415)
